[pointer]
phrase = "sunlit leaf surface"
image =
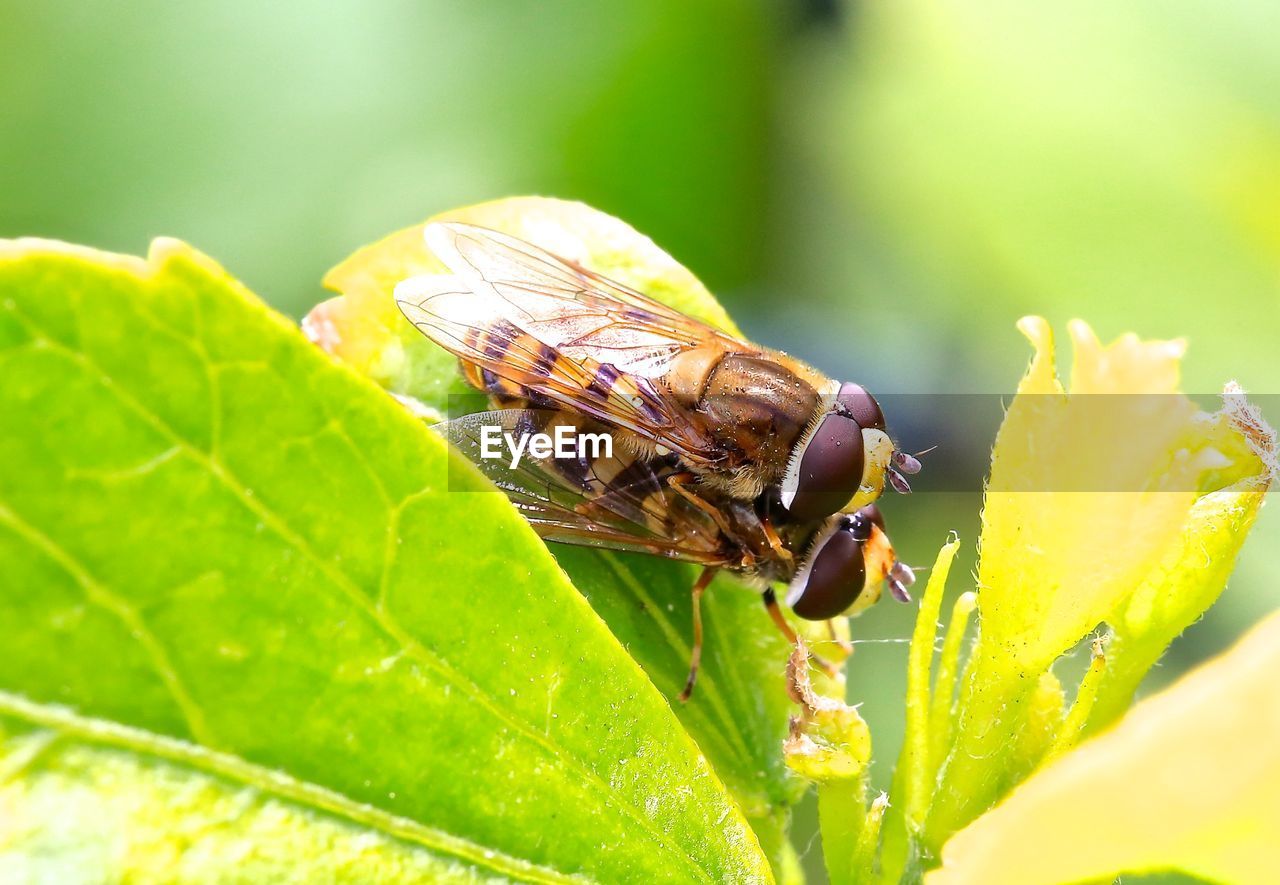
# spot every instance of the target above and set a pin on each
(239, 603)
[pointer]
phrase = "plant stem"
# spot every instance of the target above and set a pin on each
(842, 818)
(864, 854)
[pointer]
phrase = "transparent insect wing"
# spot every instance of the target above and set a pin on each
(443, 306)
(621, 503)
(561, 333)
(583, 314)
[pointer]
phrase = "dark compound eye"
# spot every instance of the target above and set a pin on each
(861, 406)
(826, 471)
(831, 578)
(859, 526)
(871, 513)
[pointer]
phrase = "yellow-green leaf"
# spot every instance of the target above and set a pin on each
(830, 744)
(234, 569)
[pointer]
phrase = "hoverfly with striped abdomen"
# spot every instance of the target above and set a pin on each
(727, 454)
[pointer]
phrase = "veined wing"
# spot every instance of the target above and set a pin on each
(562, 332)
(620, 502)
(582, 314)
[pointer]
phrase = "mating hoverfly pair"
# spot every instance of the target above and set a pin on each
(727, 454)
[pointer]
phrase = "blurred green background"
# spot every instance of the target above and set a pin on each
(881, 188)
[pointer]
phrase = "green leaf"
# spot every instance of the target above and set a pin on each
(93, 797)
(738, 713)
(238, 595)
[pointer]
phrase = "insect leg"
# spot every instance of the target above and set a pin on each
(771, 605)
(677, 483)
(774, 541)
(695, 656)
(845, 645)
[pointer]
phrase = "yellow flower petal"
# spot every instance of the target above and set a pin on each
(1082, 499)
(1188, 780)
(1114, 500)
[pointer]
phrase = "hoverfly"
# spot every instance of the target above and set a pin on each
(728, 455)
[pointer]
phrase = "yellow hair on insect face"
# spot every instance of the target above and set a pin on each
(879, 558)
(878, 452)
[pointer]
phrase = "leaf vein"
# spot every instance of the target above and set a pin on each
(362, 600)
(98, 594)
(274, 783)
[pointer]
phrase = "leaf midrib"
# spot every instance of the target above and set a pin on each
(41, 337)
